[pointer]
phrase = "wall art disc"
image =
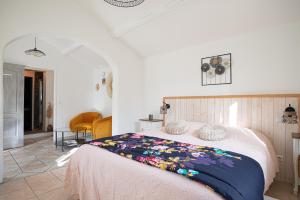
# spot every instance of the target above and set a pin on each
(211, 73)
(205, 67)
(220, 69)
(215, 61)
(226, 63)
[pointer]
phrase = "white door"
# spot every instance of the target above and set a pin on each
(13, 93)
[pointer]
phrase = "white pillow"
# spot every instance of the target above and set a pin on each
(211, 133)
(177, 127)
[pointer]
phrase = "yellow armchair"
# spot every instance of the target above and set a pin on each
(84, 121)
(102, 128)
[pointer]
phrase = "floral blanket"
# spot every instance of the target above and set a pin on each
(232, 175)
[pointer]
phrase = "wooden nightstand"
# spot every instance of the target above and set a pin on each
(296, 154)
(147, 125)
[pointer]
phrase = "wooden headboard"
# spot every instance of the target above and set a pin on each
(258, 112)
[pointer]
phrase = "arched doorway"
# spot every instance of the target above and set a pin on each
(80, 76)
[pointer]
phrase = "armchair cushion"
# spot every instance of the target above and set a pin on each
(84, 121)
(102, 128)
(83, 126)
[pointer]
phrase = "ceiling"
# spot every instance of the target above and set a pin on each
(160, 26)
(55, 49)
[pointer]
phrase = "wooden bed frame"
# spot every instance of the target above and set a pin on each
(261, 112)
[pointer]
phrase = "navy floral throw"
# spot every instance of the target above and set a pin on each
(232, 175)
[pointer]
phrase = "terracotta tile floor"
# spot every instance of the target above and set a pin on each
(36, 172)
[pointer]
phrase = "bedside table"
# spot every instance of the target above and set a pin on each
(147, 125)
(296, 154)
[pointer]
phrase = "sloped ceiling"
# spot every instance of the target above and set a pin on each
(159, 26)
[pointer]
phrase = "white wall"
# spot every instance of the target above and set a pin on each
(102, 101)
(265, 61)
(64, 18)
(74, 90)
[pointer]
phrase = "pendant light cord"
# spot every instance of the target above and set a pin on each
(35, 42)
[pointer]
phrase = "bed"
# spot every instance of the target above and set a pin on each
(94, 173)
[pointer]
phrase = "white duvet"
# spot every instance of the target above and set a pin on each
(94, 173)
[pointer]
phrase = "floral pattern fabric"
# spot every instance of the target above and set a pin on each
(222, 171)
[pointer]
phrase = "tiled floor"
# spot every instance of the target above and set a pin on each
(36, 157)
(36, 172)
(43, 186)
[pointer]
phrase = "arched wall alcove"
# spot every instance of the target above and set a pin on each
(67, 19)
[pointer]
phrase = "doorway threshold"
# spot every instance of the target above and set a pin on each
(37, 135)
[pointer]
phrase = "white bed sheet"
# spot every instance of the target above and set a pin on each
(94, 173)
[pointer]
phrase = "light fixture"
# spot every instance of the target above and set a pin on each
(164, 108)
(35, 52)
(289, 115)
(124, 3)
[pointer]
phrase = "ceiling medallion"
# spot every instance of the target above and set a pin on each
(124, 3)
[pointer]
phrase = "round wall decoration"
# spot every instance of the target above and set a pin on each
(205, 67)
(211, 73)
(226, 63)
(215, 61)
(220, 69)
(109, 85)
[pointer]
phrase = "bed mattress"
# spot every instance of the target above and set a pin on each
(94, 173)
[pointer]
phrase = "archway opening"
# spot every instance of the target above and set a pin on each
(75, 80)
